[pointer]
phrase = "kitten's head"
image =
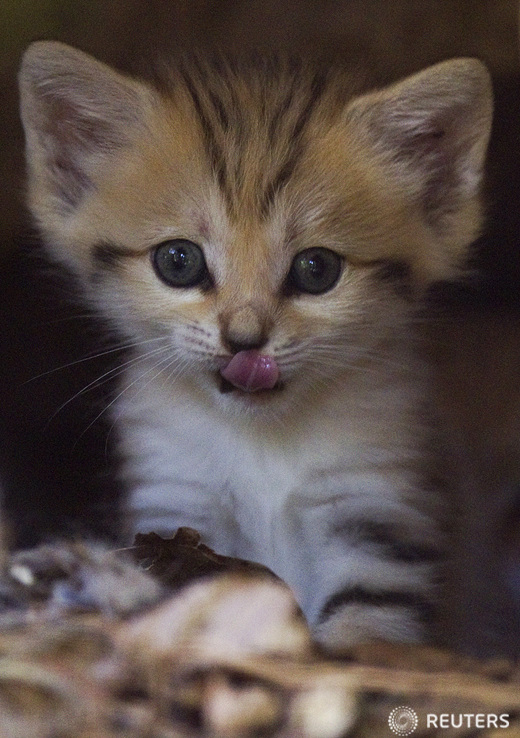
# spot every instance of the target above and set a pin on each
(245, 216)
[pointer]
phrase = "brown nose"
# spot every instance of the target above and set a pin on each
(244, 329)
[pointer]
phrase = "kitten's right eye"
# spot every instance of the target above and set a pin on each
(180, 263)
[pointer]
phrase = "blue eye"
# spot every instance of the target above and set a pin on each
(314, 271)
(180, 263)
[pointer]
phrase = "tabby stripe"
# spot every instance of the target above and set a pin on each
(316, 91)
(398, 275)
(220, 110)
(283, 109)
(216, 154)
(318, 85)
(360, 596)
(107, 255)
(389, 538)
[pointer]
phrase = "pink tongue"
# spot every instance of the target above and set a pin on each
(250, 371)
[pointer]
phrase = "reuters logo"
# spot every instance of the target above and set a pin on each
(403, 721)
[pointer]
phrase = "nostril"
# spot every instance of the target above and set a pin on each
(243, 344)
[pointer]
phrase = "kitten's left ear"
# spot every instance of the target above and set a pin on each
(431, 132)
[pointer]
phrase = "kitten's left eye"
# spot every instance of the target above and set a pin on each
(315, 271)
(180, 263)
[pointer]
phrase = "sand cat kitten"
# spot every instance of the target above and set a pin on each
(236, 222)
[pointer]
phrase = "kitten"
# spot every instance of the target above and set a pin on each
(261, 233)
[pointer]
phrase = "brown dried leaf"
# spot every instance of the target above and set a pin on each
(182, 559)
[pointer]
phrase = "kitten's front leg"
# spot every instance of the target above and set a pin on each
(380, 582)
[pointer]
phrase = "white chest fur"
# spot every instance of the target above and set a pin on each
(270, 493)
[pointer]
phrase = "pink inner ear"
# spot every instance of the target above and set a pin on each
(251, 371)
(70, 134)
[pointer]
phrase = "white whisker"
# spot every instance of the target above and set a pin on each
(92, 357)
(106, 376)
(166, 361)
(179, 362)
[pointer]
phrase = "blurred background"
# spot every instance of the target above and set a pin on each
(56, 457)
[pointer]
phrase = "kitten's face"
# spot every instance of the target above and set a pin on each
(237, 226)
(284, 281)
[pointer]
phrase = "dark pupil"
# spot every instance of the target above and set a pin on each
(315, 266)
(179, 259)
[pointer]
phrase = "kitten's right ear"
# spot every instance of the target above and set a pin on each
(76, 112)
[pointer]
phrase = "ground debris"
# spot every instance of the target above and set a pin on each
(224, 653)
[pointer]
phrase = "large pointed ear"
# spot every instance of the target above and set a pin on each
(431, 132)
(76, 113)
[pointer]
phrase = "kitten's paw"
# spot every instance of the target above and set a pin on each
(79, 576)
(349, 625)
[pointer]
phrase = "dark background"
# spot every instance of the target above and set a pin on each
(56, 464)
